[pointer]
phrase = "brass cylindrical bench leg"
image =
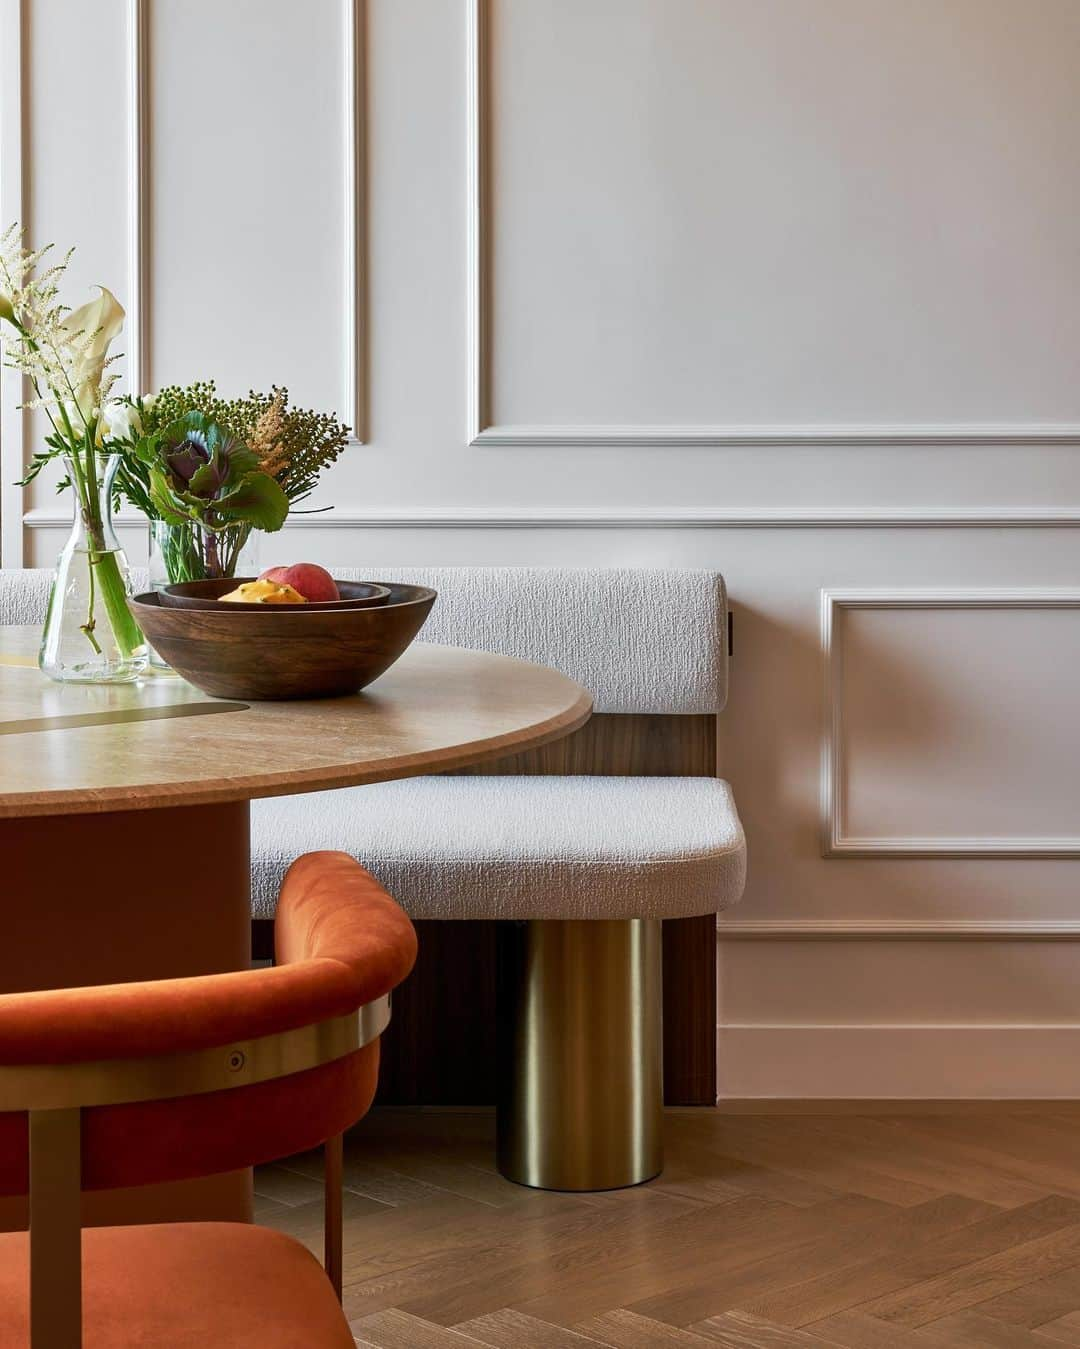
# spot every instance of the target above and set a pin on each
(580, 1053)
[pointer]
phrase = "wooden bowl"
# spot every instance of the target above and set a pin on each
(207, 595)
(251, 652)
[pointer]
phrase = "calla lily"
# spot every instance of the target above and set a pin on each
(7, 309)
(89, 331)
(122, 420)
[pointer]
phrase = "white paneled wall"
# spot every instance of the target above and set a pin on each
(786, 287)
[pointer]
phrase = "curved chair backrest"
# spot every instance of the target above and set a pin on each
(640, 639)
(128, 1084)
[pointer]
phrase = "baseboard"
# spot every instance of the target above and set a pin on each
(881, 1066)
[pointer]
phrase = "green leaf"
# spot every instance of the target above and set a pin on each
(205, 482)
(239, 462)
(258, 500)
(147, 448)
(164, 499)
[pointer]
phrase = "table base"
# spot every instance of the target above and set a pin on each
(123, 896)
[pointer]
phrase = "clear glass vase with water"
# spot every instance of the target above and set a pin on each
(90, 635)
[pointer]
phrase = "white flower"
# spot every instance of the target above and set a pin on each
(87, 332)
(7, 309)
(122, 420)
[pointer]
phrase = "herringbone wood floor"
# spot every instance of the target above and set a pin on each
(867, 1232)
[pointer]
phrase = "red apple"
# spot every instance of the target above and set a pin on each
(313, 582)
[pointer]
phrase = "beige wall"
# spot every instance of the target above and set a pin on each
(785, 287)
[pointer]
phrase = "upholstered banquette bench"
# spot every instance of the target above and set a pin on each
(566, 859)
(576, 853)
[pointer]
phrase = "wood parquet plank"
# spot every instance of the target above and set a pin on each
(897, 1231)
(626, 1330)
(422, 1234)
(790, 1145)
(913, 1228)
(974, 1329)
(697, 1166)
(836, 1290)
(514, 1258)
(831, 1250)
(597, 1269)
(992, 1142)
(889, 1149)
(1034, 1303)
(397, 1330)
(1064, 1330)
(965, 1287)
(712, 1255)
(853, 1330)
(738, 1330)
(509, 1329)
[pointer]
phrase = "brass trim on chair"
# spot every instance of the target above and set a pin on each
(55, 1229)
(240, 1063)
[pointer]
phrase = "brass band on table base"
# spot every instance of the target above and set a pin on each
(580, 1053)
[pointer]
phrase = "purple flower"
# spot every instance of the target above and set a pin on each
(188, 457)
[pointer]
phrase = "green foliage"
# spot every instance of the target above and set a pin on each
(294, 445)
(196, 470)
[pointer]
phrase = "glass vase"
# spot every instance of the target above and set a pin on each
(191, 552)
(90, 636)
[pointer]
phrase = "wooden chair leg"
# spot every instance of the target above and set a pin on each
(55, 1230)
(333, 1159)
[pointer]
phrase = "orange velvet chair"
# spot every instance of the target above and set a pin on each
(131, 1084)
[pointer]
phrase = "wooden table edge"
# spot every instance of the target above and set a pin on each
(76, 802)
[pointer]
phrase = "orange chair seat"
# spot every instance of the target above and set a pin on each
(186, 1286)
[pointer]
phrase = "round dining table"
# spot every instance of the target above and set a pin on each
(124, 837)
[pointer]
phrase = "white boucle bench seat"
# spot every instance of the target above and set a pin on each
(519, 847)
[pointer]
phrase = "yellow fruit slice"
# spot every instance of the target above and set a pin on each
(263, 592)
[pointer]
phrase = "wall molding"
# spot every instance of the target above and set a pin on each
(834, 841)
(1035, 434)
(13, 206)
(139, 214)
(646, 517)
(887, 929)
(481, 431)
(354, 48)
(476, 199)
(354, 225)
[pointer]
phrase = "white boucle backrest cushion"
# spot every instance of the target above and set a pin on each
(24, 595)
(639, 639)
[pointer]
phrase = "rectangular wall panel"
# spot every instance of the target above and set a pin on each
(249, 181)
(952, 722)
(798, 220)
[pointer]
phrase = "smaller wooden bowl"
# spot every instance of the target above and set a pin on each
(207, 595)
(251, 652)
